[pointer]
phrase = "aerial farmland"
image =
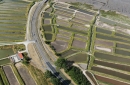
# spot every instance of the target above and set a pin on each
(84, 37)
(12, 20)
(67, 28)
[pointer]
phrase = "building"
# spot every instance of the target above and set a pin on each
(17, 57)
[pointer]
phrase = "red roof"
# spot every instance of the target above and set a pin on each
(20, 55)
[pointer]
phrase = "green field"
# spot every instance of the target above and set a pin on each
(6, 52)
(1, 81)
(81, 57)
(48, 36)
(47, 28)
(4, 61)
(69, 52)
(13, 20)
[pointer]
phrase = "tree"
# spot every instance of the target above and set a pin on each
(61, 62)
(48, 74)
(55, 81)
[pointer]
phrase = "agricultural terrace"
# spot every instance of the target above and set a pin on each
(67, 29)
(110, 52)
(7, 51)
(12, 20)
(10, 75)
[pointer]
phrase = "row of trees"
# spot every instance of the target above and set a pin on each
(55, 81)
(74, 72)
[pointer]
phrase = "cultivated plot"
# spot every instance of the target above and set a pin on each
(68, 52)
(111, 72)
(79, 44)
(12, 17)
(110, 80)
(10, 75)
(59, 45)
(26, 76)
(80, 57)
(112, 65)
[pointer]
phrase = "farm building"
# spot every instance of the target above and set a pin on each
(17, 57)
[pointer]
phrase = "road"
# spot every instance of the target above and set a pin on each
(35, 37)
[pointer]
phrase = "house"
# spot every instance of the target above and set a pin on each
(17, 57)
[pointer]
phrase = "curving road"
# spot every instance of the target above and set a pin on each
(38, 43)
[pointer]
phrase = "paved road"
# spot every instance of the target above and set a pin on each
(38, 43)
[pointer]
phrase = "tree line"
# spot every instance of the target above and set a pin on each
(75, 73)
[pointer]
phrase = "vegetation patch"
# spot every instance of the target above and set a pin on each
(79, 44)
(111, 72)
(79, 78)
(6, 52)
(1, 81)
(14, 19)
(26, 75)
(3, 76)
(80, 57)
(68, 52)
(5, 61)
(10, 75)
(47, 28)
(38, 75)
(59, 45)
(48, 36)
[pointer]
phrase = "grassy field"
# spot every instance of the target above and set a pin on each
(38, 75)
(6, 52)
(3, 76)
(1, 81)
(81, 57)
(13, 20)
(5, 61)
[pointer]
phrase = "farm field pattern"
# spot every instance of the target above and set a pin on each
(12, 20)
(111, 52)
(73, 34)
(67, 30)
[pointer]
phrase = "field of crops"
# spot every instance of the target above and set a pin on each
(70, 31)
(5, 61)
(111, 45)
(6, 52)
(13, 20)
(78, 57)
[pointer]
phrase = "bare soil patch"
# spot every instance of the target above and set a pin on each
(47, 21)
(84, 37)
(35, 58)
(25, 75)
(112, 58)
(111, 72)
(63, 36)
(80, 21)
(65, 32)
(108, 80)
(83, 16)
(81, 57)
(63, 14)
(79, 27)
(10, 75)
(113, 65)
(104, 43)
(104, 49)
(59, 45)
(91, 77)
(49, 10)
(62, 22)
(79, 44)
(61, 4)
